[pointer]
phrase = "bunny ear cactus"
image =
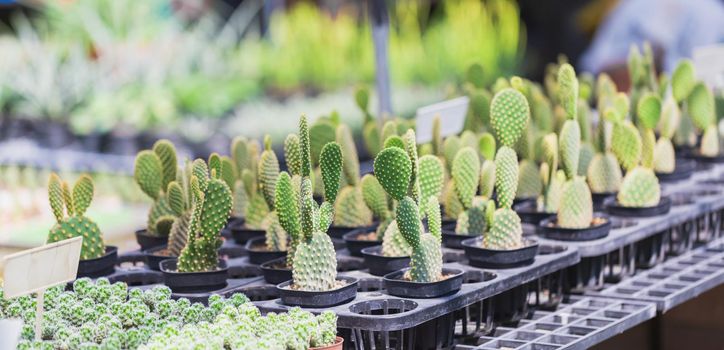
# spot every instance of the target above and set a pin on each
(640, 187)
(350, 209)
(466, 175)
(701, 108)
(69, 210)
(604, 172)
(426, 257)
(180, 199)
(549, 201)
(153, 171)
(576, 206)
(664, 154)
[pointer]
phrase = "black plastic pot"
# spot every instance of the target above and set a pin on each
(380, 265)
(399, 287)
(612, 207)
(491, 258)
(260, 256)
(273, 274)
(683, 170)
(147, 241)
(548, 228)
(528, 212)
(452, 240)
(340, 231)
(328, 298)
(704, 159)
(599, 199)
(242, 234)
(153, 260)
(99, 267)
(193, 282)
(354, 245)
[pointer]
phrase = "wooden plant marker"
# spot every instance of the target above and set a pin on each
(452, 118)
(35, 270)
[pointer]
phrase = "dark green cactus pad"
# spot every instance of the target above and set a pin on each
(393, 168)
(292, 154)
(626, 144)
(288, 206)
(506, 176)
(55, 195)
(394, 141)
(148, 173)
(331, 165)
(166, 152)
(82, 194)
(465, 171)
(408, 221)
(432, 175)
(80, 226)
(509, 113)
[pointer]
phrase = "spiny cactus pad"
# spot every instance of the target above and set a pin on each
(683, 80)
(331, 165)
(640, 188)
(350, 209)
(465, 172)
(570, 147)
(626, 144)
(701, 106)
(506, 176)
(393, 168)
(315, 264)
(292, 154)
(509, 114)
(505, 232)
(604, 173)
(576, 207)
(649, 110)
(268, 172)
(568, 90)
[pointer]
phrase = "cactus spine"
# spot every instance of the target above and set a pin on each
(153, 171)
(576, 207)
(311, 255)
(211, 209)
(350, 208)
(400, 174)
(69, 210)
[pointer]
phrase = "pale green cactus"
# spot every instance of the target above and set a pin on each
(350, 209)
(664, 154)
(604, 172)
(153, 171)
(700, 106)
(69, 208)
(549, 200)
(466, 176)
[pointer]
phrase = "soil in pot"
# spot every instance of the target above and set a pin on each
(398, 283)
(101, 266)
(492, 258)
(276, 271)
(529, 213)
(193, 282)
(380, 265)
(359, 239)
(345, 291)
(155, 255)
(599, 228)
(614, 208)
(258, 252)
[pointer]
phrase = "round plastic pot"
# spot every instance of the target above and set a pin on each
(242, 234)
(528, 212)
(341, 295)
(612, 207)
(399, 287)
(380, 265)
(259, 255)
(354, 245)
(683, 170)
(99, 267)
(193, 282)
(340, 231)
(147, 241)
(337, 345)
(452, 240)
(492, 258)
(548, 228)
(153, 260)
(273, 274)
(599, 199)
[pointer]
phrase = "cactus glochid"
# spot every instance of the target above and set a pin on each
(311, 253)
(69, 207)
(211, 199)
(153, 171)
(401, 174)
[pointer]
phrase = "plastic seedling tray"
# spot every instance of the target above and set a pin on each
(675, 281)
(580, 323)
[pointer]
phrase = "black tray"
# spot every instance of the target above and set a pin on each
(380, 265)
(99, 267)
(528, 212)
(193, 282)
(261, 256)
(683, 170)
(612, 207)
(147, 241)
(355, 246)
(329, 298)
(491, 258)
(395, 285)
(570, 234)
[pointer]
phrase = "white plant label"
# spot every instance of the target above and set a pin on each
(709, 63)
(10, 333)
(35, 270)
(452, 118)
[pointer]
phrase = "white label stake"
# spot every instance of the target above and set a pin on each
(452, 118)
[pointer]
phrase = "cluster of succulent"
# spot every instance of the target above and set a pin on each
(245, 328)
(69, 207)
(415, 184)
(311, 254)
(101, 315)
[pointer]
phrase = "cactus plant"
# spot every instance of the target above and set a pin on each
(553, 179)
(211, 208)
(466, 179)
(69, 207)
(400, 175)
(244, 155)
(576, 205)
(350, 208)
(153, 171)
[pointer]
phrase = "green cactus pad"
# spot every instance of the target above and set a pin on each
(664, 156)
(393, 169)
(292, 154)
(506, 176)
(505, 232)
(350, 209)
(82, 194)
(408, 222)
(626, 144)
(486, 146)
(648, 110)
(166, 152)
(393, 244)
(80, 226)
(305, 147)
(670, 118)
(374, 196)
(287, 206)
(350, 164)
(576, 207)
(568, 90)
(268, 173)
(530, 184)
(450, 147)
(148, 173)
(639, 189)
(509, 113)
(683, 80)
(487, 179)
(604, 173)
(315, 264)
(465, 171)
(394, 141)
(321, 133)
(432, 175)
(55, 195)
(331, 165)
(701, 106)
(569, 142)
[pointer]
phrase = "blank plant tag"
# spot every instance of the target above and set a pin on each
(709, 63)
(452, 118)
(10, 333)
(40, 268)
